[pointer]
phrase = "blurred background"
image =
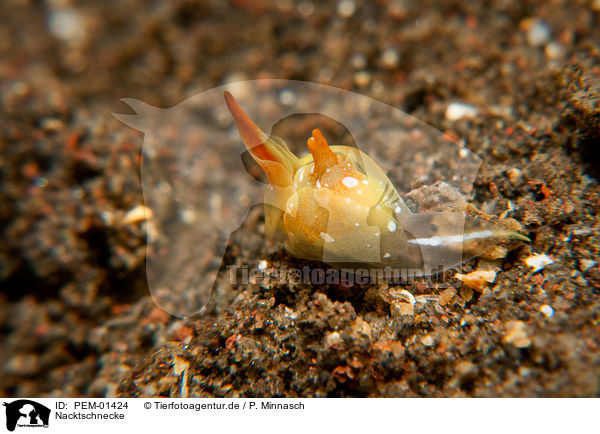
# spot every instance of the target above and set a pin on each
(516, 81)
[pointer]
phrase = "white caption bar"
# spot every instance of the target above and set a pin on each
(147, 415)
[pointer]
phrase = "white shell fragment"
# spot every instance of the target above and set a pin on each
(547, 311)
(346, 8)
(538, 262)
(350, 182)
(458, 110)
(538, 34)
(137, 214)
(477, 280)
(428, 341)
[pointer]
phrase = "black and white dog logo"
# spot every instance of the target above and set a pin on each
(26, 413)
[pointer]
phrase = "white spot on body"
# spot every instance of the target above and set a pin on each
(350, 182)
(392, 226)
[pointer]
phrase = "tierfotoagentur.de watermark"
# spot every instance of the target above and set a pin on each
(242, 274)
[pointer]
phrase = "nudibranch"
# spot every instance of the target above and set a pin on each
(336, 205)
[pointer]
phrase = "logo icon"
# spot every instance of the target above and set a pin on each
(26, 413)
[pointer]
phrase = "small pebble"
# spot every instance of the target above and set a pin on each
(582, 231)
(41, 182)
(538, 262)
(325, 75)
(427, 341)
(466, 293)
(22, 364)
(446, 296)
(547, 311)
(346, 8)
(188, 215)
(399, 309)
(66, 24)
(137, 214)
(515, 176)
(524, 371)
(52, 124)
(107, 217)
(333, 339)
(390, 58)
(306, 8)
(477, 280)
(466, 372)
(362, 78)
(77, 193)
(358, 61)
(396, 9)
(586, 264)
(457, 110)
(517, 334)
(554, 50)
(538, 33)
